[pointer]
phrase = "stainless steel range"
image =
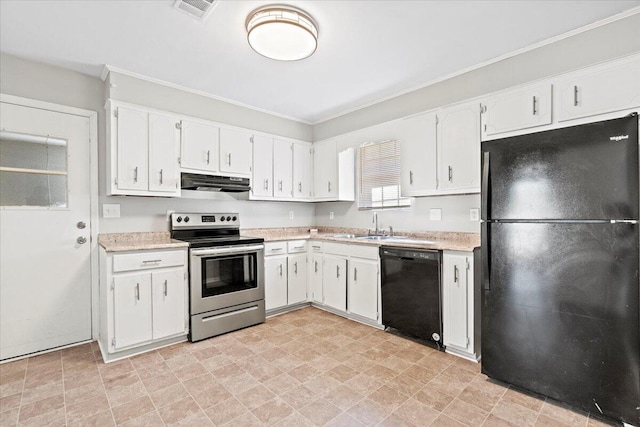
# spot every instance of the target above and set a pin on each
(226, 273)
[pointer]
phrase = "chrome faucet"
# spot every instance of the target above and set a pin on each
(375, 220)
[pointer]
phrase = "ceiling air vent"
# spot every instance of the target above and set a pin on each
(199, 9)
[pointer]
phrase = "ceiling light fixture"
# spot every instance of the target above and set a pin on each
(283, 33)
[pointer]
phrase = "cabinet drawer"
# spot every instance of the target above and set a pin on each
(297, 246)
(336, 248)
(275, 248)
(316, 246)
(145, 260)
(364, 251)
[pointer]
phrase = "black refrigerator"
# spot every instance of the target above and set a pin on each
(560, 300)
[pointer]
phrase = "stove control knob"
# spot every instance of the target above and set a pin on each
(228, 218)
(235, 218)
(221, 218)
(186, 219)
(179, 219)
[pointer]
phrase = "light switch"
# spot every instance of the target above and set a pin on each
(290, 214)
(330, 215)
(110, 211)
(435, 214)
(474, 214)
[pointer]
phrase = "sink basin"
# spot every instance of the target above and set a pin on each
(376, 238)
(343, 236)
(396, 239)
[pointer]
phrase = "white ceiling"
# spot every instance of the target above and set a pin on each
(368, 50)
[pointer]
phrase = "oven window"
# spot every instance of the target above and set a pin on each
(227, 274)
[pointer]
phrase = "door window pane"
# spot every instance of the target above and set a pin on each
(33, 170)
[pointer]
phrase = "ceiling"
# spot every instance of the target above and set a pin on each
(367, 50)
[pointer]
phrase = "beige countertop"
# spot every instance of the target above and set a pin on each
(440, 240)
(120, 242)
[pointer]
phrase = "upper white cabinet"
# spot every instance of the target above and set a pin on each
(522, 108)
(235, 152)
(282, 168)
(142, 157)
(602, 89)
(459, 148)
(199, 143)
(418, 158)
(262, 182)
(302, 171)
(333, 172)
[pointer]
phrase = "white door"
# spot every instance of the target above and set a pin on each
(316, 278)
(275, 282)
(45, 266)
(168, 296)
(297, 278)
(302, 171)
(262, 185)
(282, 168)
(132, 309)
(235, 152)
(334, 278)
(418, 173)
(199, 146)
(363, 288)
(164, 140)
(454, 301)
(133, 149)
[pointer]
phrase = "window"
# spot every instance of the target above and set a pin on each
(379, 171)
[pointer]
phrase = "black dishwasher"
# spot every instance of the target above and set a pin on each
(411, 293)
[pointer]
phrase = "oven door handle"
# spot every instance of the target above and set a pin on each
(226, 250)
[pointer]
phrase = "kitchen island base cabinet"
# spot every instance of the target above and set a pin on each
(143, 301)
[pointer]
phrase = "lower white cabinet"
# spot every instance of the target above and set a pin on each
(363, 287)
(334, 282)
(285, 265)
(458, 308)
(315, 277)
(275, 278)
(143, 301)
(297, 279)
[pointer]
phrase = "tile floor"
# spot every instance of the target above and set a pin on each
(305, 368)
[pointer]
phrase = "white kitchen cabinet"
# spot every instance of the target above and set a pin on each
(363, 288)
(133, 148)
(315, 266)
(334, 282)
(143, 301)
(142, 153)
(602, 89)
(526, 107)
(235, 152)
(297, 278)
(168, 302)
(418, 155)
(458, 302)
(458, 133)
(275, 277)
(262, 183)
(282, 168)
(164, 171)
(200, 143)
(302, 171)
(325, 170)
(132, 317)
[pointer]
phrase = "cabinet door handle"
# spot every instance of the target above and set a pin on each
(165, 288)
(455, 274)
(575, 96)
(534, 106)
(316, 267)
(411, 177)
(161, 177)
(208, 156)
(151, 260)
(135, 174)
(355, 274)
(295, 268)
(229, 155)
(337, 271)
(280, 270)
(266, 184)
(138, 291)
(329, 186)
(280, 185)
(300, 187)
(450, 174)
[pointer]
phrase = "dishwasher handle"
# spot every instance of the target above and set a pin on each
(409, 255)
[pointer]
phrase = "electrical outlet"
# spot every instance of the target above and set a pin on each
(110, 211)
(330, 215)
(474, 214)
(435, 214)
(290, 214)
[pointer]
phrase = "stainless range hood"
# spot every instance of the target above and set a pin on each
(198, 182)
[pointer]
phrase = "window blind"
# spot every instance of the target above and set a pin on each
(379, 173)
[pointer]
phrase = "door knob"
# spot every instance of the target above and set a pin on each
(81, 240)
(81, 225)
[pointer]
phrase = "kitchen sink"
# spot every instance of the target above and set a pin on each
(376, 238)
(343, 236)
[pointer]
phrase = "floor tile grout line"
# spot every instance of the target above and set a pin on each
(148, 394)
(104, 388)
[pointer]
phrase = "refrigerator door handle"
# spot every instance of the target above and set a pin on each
(485, 185)
(484, 253)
